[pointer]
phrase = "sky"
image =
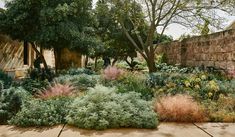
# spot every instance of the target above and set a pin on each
(175, 30)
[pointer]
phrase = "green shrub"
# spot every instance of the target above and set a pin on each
(38, 112)
(132, 82)
(1, 85)
(34, 86)
(199, 85)
(82, 82)
(79, 71)
(103, 108)
(42, 74)
(222, 110)
(135, 83)
(10, 102)
(163, 67)
(6, 79)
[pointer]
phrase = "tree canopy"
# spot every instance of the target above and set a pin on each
(159, 14)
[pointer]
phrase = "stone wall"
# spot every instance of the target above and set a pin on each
(215, 50)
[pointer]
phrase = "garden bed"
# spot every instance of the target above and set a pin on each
(117, 98)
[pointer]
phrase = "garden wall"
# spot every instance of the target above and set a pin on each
(215, 50)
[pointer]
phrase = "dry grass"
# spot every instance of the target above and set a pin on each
(57, 90)
(179, 108)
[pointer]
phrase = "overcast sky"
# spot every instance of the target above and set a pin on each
(174, 30)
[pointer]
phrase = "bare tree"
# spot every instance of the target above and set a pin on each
(159, 14)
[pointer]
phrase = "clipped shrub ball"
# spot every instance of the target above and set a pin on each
(38, 112)
(103, 108)
(179, 108)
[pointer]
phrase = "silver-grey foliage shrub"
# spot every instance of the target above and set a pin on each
(103, 108)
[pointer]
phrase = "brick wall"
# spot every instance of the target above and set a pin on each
(215, 50)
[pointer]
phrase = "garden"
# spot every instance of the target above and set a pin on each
(124, 83)
(118, 98)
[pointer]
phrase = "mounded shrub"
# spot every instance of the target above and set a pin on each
(34, 86)
(103, 108)
(6, 79)
(79, 71)
(222, 110)
(135, 83)
(10, 102)
(37, 112)
(1, 85)
(179, 108)
(81, 82)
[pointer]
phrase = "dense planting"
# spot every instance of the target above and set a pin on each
(38, 112)
(103, 108)
(118, 98)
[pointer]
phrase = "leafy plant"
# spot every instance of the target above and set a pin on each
(222, 110)
(57, 90)
(34, 86)
(1, 85)
(6, 79)
(42, 74)
(78, 71)
(137, 83)
(10, 102)
(103, 108)
(179, 108)
(81, 82)
(37, 112)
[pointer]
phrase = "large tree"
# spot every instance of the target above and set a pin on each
(162, 13)
(48, 23)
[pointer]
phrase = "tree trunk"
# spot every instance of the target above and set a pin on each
(41, 55)
(151, 64)
(56, 61)
(114, 61)
(86, 61)
(96, 59)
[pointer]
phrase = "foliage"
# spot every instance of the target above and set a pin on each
(79, 71)
(199, 85)
(81, 82)
(222, 110)
(57, 90)
(34, 86)
(38, 112)
(41, 74)
(163, 67)
(1, 85)
(112, 73)
(161, 15)
(103, 108)
(10, 102)
(179, 108)
(6, 79)
(116, 45)
(135, 82)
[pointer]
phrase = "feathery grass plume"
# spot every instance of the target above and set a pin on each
(112, 73)
(179, 108)
(57, 90)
